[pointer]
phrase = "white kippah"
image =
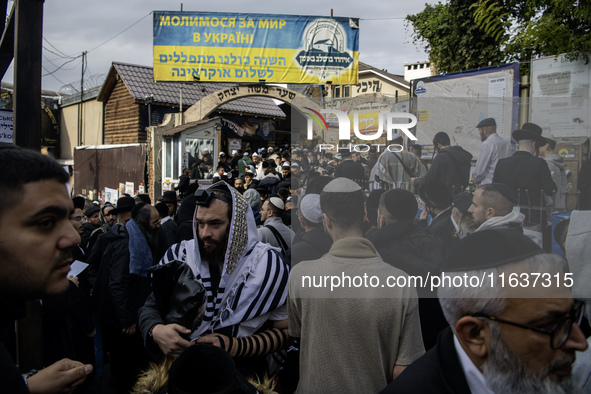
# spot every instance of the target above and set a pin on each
(341, 185)
(277, 202)
(310, 208)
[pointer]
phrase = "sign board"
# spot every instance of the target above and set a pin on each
(130, 188)
(111, 195)
(6, 123)
(230, 47)
(560, 95)
(456, 103)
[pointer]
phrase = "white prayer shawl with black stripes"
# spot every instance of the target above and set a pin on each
(253, 286)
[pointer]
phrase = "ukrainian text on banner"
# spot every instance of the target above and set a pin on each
(228, 47)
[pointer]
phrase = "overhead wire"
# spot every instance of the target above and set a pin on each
(121, 32)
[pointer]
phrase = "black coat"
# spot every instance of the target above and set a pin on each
(524, 171)
(352, 170)
(443, 228)
(438, 371)
(414, 250)
(118, 294)
(10, 378)
(452, 167)
(310, 246)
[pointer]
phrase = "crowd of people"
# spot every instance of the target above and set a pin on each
(259, 281)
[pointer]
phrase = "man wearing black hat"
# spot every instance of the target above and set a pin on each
(170, 199)
(529, 178)
(93, 221)
(123, 212)
(502, 338)
(461, 217)
(493, 149)
(451, 165)
(492, 206)
(121, 288)
(438, 199)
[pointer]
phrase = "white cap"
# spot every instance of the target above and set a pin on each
(255, 154)
(341, 185)
(286, 164)
(276, 201)
(310, 208)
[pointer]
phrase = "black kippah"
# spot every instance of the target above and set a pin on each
(401, 204)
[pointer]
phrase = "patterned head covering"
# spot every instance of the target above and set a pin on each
(243, 232)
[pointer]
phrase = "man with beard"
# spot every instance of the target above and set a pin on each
(493, 149)
(244, 279)
(36, 237)
(122, 286)
(461, 217)
(502, 339)
(492, 207)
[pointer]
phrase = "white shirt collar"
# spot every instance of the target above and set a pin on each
(166, 219)
(474, 377)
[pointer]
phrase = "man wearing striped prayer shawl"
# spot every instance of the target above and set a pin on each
(245, 282)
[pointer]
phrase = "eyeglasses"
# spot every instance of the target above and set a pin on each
(559, 332)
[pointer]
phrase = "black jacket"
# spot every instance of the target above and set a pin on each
(452, 167)
(310, 246)
(118, 294)
(443, 228)
(524, 171)
(414, 250)
(10, 378)
(437, 371)
(352, 170)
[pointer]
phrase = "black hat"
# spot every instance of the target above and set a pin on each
(435, 194)
(205, 368)
(78, 202)
(529, 131)
(488, 122)
(91, 210)
(490, 248)
(462, 201)
(506, 191)
(401, 204)
(168, 196)
(532, 127)
(124, 204)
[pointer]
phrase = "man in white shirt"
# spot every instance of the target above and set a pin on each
(493, 149)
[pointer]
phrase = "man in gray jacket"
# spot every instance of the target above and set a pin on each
(557, 170)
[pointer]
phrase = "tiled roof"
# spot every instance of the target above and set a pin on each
(140, 83)
(397, 78)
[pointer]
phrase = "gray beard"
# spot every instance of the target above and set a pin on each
(505, 374)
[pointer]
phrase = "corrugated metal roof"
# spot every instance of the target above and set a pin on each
(140, 83)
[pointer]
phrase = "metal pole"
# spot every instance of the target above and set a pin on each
(27, 73)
